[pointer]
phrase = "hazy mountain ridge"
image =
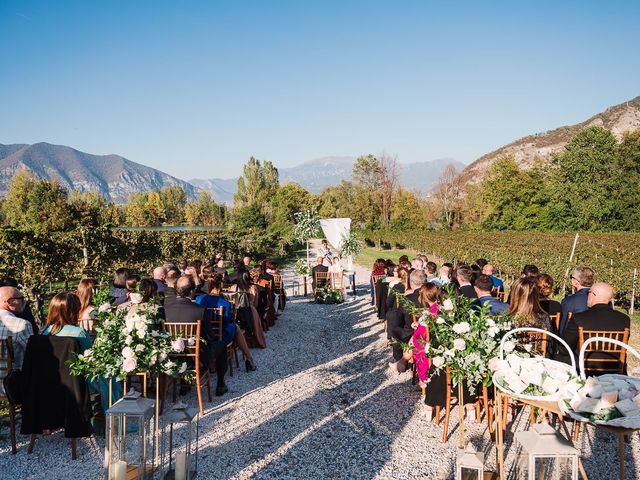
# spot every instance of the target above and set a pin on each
(619, 119)
(113, 176)
(315, 175)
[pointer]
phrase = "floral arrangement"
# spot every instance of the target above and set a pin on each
(350, 245)
(463, 337)
(301, 267)
(328, 295)
(128, 342)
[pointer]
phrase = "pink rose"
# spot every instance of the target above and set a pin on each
(129, 364)
(434, 310)
(177, 344)
(459, 344)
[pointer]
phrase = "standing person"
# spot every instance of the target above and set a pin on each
(400, 321)
(581, 281)
(325, 252)
(11, 325)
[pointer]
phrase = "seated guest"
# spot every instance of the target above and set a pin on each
(481, 262)
(170, 292)
(11, 325)
(599, 316)
(159, 277)
(240, 270)
(431, 268)
(525, 305)
(87, 315)
(147, 301)
(497, 283)
(194, 271)
(545, 289)
(379, 269)
(182, 266)
(26, 313)
(246, 261)
(581, 281)
(220, 268)
(62, 321)
(183, 309)
(529, 271)
(335, 268)
(483, 286)
(463, 276)
(445, 273)
(231, 331)
(475, 272)
(118, 292)
(319, 267)
(400, 320)
(430, 296)
(404, 262)
(416, 264)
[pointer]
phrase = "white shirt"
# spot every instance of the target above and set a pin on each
(20, 330)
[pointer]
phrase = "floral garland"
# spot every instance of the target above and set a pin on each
(463, 337)
(328, 295)
(127, 342)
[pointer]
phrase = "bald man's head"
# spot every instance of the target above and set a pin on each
(11, 299)
(600, 293)
(159, 273)
(185, 286)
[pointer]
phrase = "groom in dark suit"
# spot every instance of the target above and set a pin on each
(318, 268)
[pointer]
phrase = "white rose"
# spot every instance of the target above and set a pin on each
(140, 348)
(128, 340)
(490, 323)
(492, 331)
(509, 346)
(135, 298)
(183, 367)
(447, 305)
(163, 357)
(87, 353)
(129, 364)
(105, 307)
(178, 345)
(462, 327)
(127, 352)
(438, 362)
(439, 320)
(449, 353)
(191, 341)
(459, 344)
(129, 324)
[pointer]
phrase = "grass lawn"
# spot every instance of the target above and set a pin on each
(370, 254)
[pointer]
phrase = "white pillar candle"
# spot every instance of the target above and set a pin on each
(120, 470)
(181, 466)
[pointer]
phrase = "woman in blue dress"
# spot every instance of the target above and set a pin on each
(230, 330)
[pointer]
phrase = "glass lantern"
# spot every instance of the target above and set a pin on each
(469, 464)
(131, 438)
(180, 427)
(546, 455)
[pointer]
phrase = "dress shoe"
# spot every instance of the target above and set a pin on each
(250, 366)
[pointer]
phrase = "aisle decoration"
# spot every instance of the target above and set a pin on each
(328, 295)
(350, 246)
(129, 342)
(181, 426)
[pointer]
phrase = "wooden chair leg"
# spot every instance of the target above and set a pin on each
(199, 393)
(32, 443)
(447, 411)
(230, 361)
(438, 415)
(478, 416)
(505, 412)
(488, 411)
(576, 431)
(74, 449)
(12, 428)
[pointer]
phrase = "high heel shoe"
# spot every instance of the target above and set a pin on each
(250, 366)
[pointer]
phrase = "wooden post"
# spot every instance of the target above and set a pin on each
(566, 273)
(461, 409)
(633, 291)
(304, 282)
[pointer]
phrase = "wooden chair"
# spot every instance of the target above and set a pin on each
(615, 355)
(186, 331)
(278, 289)
(6, 367)
(217, 318)
(555, 320)
(502, 296)
(337, 282)
(321, 279)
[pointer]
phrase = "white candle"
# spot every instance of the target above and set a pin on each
(120, 470)
(181, 466)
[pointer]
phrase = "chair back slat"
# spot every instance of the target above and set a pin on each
(537, 341)
(321, 278)
(616, 354)
(217, 317)
(186, 331)
(337, 281)
(277, 282)
(555, 320)
(6, 361)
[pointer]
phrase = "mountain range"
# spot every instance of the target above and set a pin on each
(314, 175)
(113, 176)
(619, 119)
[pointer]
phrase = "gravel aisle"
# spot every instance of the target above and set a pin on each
(322, 404)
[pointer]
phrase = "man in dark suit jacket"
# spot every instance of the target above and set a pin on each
(599, 316)
(183, 309)
(318, 268)
(581, 280)
(464, 274)
(399, 320)
(483, 286)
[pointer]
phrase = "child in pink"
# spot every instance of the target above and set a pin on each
(419, 340)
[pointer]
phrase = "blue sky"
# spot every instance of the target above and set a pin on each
(195, 88)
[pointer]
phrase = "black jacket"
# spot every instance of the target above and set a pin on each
(184, 310)
(399, 323)
(468, 291)
(53, 398)
(317, 268)
(599, 317)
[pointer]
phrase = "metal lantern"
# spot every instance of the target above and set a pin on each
(181, 425)
(546, 454)
(469, 464)
(131, 438)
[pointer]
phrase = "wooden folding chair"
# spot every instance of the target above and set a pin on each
(278, 289)
(6, 367)
(555, 320)
(337, 282)
(614, 361)
(217, 318)
(321, 279)
(192, 352)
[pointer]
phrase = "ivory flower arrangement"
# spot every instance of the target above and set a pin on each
(127, 343)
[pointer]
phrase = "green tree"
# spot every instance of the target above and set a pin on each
(174, 201)
(204, 211)
(406, 211)
(366, 172)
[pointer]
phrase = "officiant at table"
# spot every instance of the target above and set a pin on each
(325, 252)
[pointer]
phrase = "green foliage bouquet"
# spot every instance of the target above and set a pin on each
(301, 267)
(463, 337)
(350, 245)
(328, 295)
(126, 343)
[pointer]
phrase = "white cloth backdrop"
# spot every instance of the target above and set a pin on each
(334, 229)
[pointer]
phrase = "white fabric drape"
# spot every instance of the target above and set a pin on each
(335, 229)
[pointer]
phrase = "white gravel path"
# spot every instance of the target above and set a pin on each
(322, 404)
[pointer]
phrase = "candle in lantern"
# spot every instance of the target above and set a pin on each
(120, 470)
(181, 466)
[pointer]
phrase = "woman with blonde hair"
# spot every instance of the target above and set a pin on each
(85, 290)
(524, 304)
